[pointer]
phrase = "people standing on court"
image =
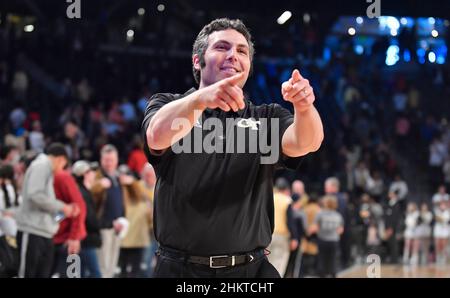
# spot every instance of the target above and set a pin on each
(71, 230)
(38, 217)
(84, 173)
(108, 191)
(329, 226)
(392, 218)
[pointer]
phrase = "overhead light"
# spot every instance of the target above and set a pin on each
(351, 31)
(392, 55)
(394, 32)
(28, 28)
(359, 20)
(306, 18)
(434, 33)
(431, 21)
(284, 17)
(359, 49)
(432, 57)
(403, 21)
(141, 11)
(130, 35)
(161, 7)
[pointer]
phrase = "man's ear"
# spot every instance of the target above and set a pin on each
(196, 61)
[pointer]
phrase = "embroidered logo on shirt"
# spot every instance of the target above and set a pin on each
(253, 124)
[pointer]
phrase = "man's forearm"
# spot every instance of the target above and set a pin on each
(160, 132)
(305, 135)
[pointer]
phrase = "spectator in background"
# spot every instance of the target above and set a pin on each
(441, 232)
(410, 254)
(9, 155)
(84, 173)
(36, 217)
(10, 199)
(36, 137)
(147, 188)
(108, 191)
(309, 244)
(438, 154)
(375, 186)
(446, 172)
(392, 217)
(138, 213)
(440, 196)
(137, 159)
(332, 187)
(423, 233)
(299, 195)
(399, 185)
(328, 225)
(282, 237)
(71, 230)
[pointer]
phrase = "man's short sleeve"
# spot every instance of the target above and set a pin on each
(285, 120)
(155, 103)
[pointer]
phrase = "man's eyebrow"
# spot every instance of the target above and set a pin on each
(241, 45)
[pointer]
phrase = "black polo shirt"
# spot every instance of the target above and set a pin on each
(212, 203)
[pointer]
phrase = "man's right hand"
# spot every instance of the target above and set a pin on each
(224, 94)
(105, 183)
(71, 210)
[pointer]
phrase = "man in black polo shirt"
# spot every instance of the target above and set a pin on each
(215, 153)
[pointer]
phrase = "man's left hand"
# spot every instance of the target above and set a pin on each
(298, 91)
(73, 246)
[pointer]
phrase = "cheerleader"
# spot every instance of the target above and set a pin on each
(423, 235)
(411, 220)
(441, 232)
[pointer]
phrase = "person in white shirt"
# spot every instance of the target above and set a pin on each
(423, 234)
(400, 185)
(411, 221)
(441, 232)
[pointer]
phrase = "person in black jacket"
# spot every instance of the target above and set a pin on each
(392, 217)
(84, 174)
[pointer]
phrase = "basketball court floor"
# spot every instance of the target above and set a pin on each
(398, 271)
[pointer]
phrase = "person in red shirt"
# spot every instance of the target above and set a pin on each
(71, 230)
(137, 159)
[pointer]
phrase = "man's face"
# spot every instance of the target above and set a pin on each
(109, 161)
(59, 163)
(330, 188)
(298, 187)
(227, 54)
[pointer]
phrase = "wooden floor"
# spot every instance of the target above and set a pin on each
(392, 271)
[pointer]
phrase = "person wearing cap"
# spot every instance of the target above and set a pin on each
(84, 173)
(71, 230)
(37, 216)
(110, 189)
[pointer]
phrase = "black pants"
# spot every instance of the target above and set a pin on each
(167, 267)
(130, 257)
(60, 261)
(36, 255)
(327, 258)
(392, 246)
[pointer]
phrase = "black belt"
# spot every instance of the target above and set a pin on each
(215, 262)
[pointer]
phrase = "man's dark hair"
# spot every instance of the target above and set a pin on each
(6, 150)
(201, 42)
(57, 149)
(282, 184)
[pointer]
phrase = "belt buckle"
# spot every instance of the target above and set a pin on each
(211, 261)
